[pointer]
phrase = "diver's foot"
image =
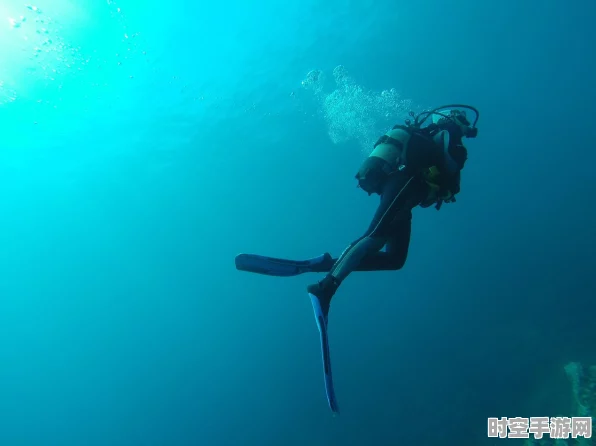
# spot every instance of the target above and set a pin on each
(324, 291)
(325, 265)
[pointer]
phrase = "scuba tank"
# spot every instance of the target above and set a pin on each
(390, 153)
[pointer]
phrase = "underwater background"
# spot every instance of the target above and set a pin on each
(145, 144)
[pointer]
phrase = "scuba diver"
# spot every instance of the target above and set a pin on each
(410, 166)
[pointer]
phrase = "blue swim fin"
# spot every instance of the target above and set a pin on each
(272, 266)
(321, 319)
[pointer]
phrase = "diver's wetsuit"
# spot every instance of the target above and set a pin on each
(390, 227)
(400, 191)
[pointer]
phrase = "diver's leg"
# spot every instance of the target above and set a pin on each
(390, 226)
(396, 204)
(394, 257)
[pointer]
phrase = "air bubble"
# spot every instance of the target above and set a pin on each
(353, 112)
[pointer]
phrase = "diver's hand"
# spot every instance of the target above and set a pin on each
(447, 196)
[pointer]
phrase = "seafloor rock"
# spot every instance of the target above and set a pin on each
(583, 386)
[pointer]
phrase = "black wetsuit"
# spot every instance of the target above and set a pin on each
(390, 227)
(400, 192)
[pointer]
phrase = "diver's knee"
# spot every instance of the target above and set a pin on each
(397, 263)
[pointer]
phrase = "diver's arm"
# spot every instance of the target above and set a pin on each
(452, 183)
(453, 162)
(458, 153)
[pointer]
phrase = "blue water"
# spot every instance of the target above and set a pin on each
(145, 144)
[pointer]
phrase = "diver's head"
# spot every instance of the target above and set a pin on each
(449, 117)
(455, 122)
